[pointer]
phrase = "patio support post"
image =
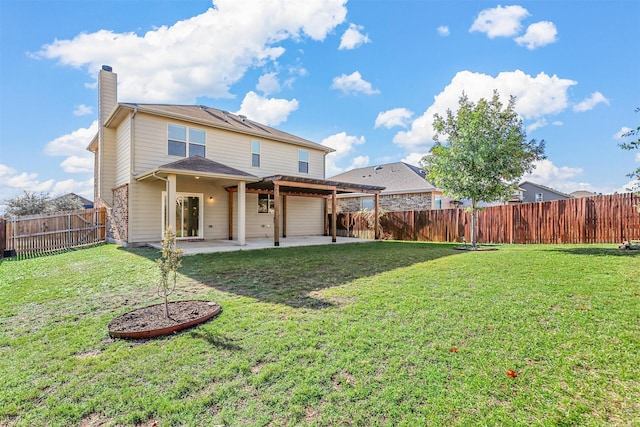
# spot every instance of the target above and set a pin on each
(326, 216)
(284, 216)
(376, 213)
(230, 215)
(334, 216)
(171, 201)
(276, 214)
(242, 214)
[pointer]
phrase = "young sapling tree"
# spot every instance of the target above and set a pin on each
(168, 263)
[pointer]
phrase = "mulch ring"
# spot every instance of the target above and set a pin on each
(148, 322)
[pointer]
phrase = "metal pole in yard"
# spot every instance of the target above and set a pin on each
(68, 231)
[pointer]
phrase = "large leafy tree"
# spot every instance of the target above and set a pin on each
(484, 153)
(633, 145)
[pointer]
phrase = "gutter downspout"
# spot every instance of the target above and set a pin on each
(132, 165)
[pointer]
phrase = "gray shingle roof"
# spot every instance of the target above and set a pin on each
(200, 164)
(396, 177)
(221, 119)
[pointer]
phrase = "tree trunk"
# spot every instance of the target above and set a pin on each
(166, 307)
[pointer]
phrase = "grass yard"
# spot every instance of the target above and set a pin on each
(381, 333)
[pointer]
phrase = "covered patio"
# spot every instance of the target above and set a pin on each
(283, 186)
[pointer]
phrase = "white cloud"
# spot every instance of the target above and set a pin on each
(268, 84)
(353, 38)
(203, 55)
(270, 111)
(344, 145)
(560, 178)
(631, 186)
(413, 158)
(359, 162)
(443, 30)
(536, 97)
(74, 143)
(394, 117)
(638, 157)
(536, 125)
(77, 164)
(538, 35)
(83, 110)
(500, 21)
(624, 130)
(590, 102)
(353, 84)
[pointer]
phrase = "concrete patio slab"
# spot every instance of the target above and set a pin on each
(213, 246)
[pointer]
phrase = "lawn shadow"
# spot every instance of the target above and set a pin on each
(215, 340)
(598, 251)
(290, 276)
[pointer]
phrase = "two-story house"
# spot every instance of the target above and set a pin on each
(207, 173)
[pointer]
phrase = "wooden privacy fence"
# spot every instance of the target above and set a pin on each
(598, 219)
(35, 235)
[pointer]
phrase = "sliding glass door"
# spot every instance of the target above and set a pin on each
(188, 215)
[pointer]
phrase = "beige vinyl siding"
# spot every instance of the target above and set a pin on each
(151, 143)
(145, 215)
(230, 148)
(305, 216)
(123, 139)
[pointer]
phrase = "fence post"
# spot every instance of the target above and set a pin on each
(3, 236)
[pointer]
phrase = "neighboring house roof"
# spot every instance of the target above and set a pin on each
(207, 116)
(582, 193)
(397, 177)
(199, 166)
(83, 200)
(544, 187)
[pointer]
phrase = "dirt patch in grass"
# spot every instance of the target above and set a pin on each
(153, 318)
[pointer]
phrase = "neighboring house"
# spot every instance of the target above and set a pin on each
(86, 203)
(582, 193)
(405, 189)
(540, 193)
(207, 173)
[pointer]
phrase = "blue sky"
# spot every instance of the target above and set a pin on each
(364, 77)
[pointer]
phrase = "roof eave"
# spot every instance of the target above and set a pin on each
(167, 171)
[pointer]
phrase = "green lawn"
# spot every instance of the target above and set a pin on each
(382, 333)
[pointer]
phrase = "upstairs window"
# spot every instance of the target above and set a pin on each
(539, 197)
(303, 161)
(255, 154)
(186, 141)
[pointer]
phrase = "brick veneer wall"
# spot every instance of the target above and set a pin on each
(118, 216)
(393, 202)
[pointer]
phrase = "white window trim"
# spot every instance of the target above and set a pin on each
(259, 153)
(187, 142)
(300, 150)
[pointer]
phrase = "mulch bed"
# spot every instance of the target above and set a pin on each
(150, 321)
